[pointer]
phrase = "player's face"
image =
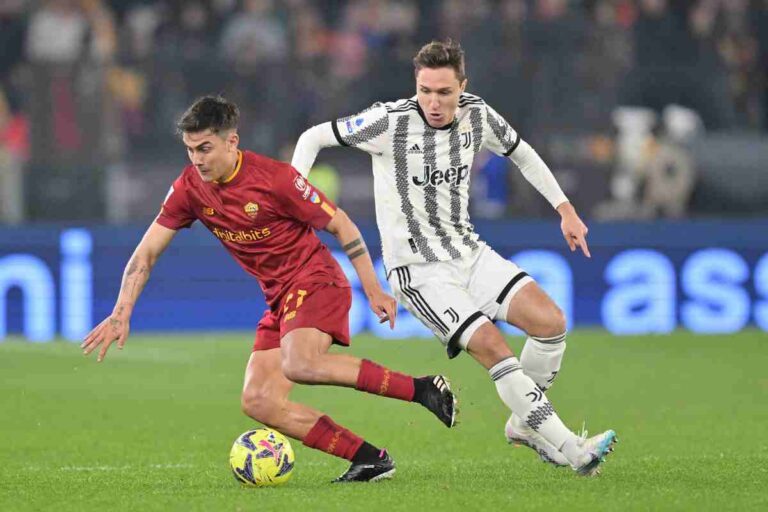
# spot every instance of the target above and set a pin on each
(213, 155)
(437, 91)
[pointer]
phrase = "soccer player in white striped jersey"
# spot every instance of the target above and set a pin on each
(422, 150)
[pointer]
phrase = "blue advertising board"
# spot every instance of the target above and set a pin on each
(704, 276)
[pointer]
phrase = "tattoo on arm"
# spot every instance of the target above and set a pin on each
(357, 253)
(134, 279)
(352, 245)
(355, 248)
(132, 267)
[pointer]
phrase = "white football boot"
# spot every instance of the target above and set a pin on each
(596, 448)
(519, 433)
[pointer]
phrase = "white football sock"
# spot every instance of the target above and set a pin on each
(541, 359)
(524, 398)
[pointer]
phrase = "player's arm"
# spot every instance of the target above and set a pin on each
(117, 326)
(348, 235)
(309, 145)
(500, 138)
(366, 131)
(538, 174)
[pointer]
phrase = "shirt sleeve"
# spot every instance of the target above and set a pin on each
(309, 145)
(176, 212)
(299, 199)
(365, 130)
(536, 171)
(502, 139)
(498, 135)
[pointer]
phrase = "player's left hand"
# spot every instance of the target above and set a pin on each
(111, 329)
(384, 306)
(574, 230)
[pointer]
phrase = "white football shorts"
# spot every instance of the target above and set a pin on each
(454, 298)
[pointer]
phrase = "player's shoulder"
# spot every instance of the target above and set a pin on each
(401, 105)
(262, 168)
(182, 186)
(469, 100)
(187, 179)
(259, 162)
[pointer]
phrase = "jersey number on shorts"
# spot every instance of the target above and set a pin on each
(299, 301)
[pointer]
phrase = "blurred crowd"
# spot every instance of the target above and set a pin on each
(94, 86)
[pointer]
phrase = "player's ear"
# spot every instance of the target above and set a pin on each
(463, 86)
(233, 139)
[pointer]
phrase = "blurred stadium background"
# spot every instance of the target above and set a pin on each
(651, 113)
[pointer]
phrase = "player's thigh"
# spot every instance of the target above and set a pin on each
(432, 294)
(264, 379)
(308, 341)
(494, 282)
(533, 311)
(300, 349)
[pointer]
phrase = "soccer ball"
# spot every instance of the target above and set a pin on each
(261, 458)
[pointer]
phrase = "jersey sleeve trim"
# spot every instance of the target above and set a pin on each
(337, 134)
(514, 146)
(167, 224)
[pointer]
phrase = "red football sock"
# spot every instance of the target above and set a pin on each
(331, 438)
(383, 381)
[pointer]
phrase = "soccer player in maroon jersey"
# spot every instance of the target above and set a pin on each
(264, 213)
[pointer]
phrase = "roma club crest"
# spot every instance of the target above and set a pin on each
(251, 209)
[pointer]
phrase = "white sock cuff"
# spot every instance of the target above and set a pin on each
(554, 340)
(504, 367)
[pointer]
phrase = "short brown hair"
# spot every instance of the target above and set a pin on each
(209, 112)
(441, 54)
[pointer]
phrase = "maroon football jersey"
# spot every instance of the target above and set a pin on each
(264, 216)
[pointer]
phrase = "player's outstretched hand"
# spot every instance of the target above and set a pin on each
(384, 306)
(111, 329)
(574, 230)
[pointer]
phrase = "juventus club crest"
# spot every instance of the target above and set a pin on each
(466, 140)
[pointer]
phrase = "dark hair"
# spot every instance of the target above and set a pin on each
(441, 54)
(209, 112)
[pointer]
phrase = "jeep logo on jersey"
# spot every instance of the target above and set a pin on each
(453, 176)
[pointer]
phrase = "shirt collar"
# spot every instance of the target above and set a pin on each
(237, 169)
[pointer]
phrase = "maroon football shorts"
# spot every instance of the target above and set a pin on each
(322, 306)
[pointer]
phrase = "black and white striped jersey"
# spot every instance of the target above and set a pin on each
(422, 174)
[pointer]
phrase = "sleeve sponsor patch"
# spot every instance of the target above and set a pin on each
(353, 124)
(300, 183)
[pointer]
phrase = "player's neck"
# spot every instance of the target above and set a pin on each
(235, 168)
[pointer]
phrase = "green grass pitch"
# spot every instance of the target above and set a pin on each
(150, 429)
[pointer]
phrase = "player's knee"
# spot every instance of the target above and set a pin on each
(258, 404)
(549, 322)
(556, 323)
(299, 369)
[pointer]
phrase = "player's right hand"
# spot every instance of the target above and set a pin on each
(111, 329)
(384, 306)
